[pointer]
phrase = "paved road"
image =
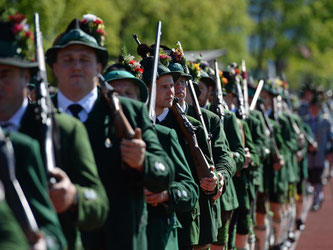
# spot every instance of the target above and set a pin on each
(318, 234)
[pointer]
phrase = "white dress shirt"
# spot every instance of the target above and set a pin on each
(86, 102)
(162, 116)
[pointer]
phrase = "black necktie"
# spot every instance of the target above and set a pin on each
(75, 110)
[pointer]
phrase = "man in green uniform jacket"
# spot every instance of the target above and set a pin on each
(275, 176)
(189, 234)
(78, 196)
(31, 176)
(264, 153)
(88, 208)
(15, 74)
(222, 156)
(243, 181)
(229, 201)
(77, 59)
(182, 194)
(11, 235)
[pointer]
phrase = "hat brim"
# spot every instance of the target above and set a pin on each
(175, 75)
(186, 76)
(197, 89)
(269, 90)
(18, 63)
(142, 86)
(208, 80)
(102, 53)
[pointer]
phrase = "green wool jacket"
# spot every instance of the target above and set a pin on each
(255, 176)
(232, 131)
(243, 186)
(125, 227)
(293, 119)
(291, 141)
(233, 134)
(183, 196)
(77, 160)
(253, 165)
(31, 175)
(276, 182)
(303, 164)
(203, 217)
(262, 144)
(222, 155)
(11, 234)
(221, 152)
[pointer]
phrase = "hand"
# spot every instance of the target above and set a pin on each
(40, 244)
(278, 165)
(247, 157)
(299, 156)
(313, 147)
(155, 198)
(63, 193)
(209, 183)
(133, 151)
(219, 191)
(301, 140)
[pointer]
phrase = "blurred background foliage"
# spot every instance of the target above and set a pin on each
(289, 38)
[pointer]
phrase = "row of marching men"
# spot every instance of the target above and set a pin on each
(97, 173)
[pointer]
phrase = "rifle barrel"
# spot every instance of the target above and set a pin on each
(152, 94)
(256, 95)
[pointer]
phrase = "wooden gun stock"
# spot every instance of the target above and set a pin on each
(201, 164)
(122, 126)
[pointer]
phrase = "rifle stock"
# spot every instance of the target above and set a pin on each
(122, 127)
(201, 164)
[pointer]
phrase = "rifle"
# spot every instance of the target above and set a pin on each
(44, 111)
(14, 194)
(276, 153)
(246, 91)
(196, 105)
(136, 39)
(301, 133)
(152, 94)
(276, 110)
(218, 95)
(256, 95)
(122, 127)
(201, 165)
(241, 110)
